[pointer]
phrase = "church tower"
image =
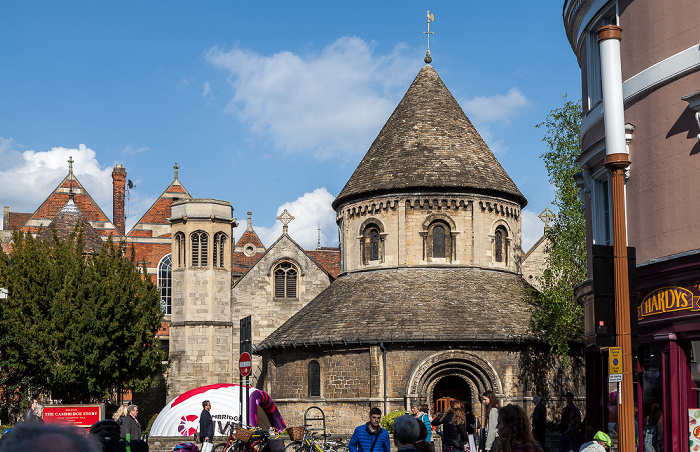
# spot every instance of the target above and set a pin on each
(201, 330)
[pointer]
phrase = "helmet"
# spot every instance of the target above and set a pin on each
(603, 438)
(186, 447)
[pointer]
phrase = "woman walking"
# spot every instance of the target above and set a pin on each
(492, 404)
(454, 427)
(514, 430)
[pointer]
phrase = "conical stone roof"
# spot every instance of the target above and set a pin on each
(428, 144)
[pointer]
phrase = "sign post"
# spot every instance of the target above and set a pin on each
(245, 346)
(245, 365)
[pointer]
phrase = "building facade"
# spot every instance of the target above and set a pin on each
(660, 54)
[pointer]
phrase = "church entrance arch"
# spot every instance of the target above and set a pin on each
(457, 374)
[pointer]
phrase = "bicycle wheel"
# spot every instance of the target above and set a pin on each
(295, 446)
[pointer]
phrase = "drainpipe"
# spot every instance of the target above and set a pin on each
(383, 349)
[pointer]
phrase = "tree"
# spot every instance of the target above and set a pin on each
(76, 326)
(559, 316)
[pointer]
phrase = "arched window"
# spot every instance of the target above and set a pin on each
(286, 280)
(200, 245)
(371, 245)
(438, 242)
(314, 379)
(165, 283)
(219, 243)
(180, 248)
(500, 244)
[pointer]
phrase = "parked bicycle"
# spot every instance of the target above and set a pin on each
(309, 443)
(241, 439)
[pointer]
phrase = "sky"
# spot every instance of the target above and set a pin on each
(269, 105)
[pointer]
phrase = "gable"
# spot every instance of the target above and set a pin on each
(160, 211)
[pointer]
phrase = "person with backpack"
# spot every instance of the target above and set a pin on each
(370, 437)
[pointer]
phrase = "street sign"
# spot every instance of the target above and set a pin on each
(615, 378)
(245, 364)
(615, 360)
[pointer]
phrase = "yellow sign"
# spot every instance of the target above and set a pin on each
(615, 360)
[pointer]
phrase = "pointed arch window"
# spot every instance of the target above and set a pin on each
(219, 245)
(286, 280)
(180, 249)
(165, 283)
(314, 379)
(200, 246)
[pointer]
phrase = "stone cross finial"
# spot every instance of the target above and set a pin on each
(70, 165)
(176, 168)
(546, 216)
(285, 218)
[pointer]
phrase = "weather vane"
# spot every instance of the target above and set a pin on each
(428, 59)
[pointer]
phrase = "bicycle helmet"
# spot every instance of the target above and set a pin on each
(186, 446)
(603, 438)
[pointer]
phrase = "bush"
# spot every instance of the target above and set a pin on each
(388, 421)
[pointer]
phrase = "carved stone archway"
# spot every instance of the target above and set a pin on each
(477, 373)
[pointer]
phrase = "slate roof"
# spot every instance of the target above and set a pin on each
(428, 143)
(412, 304)
(65, 223)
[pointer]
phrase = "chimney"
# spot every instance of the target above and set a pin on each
(6, 218)
(118, 189)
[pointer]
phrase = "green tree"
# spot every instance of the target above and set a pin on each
(559, 316)
(77, 326)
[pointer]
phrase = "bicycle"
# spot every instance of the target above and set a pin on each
(309, 443)
(245, 440)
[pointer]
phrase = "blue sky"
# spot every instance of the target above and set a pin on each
(267, 105)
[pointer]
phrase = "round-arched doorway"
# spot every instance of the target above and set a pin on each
(450, 388)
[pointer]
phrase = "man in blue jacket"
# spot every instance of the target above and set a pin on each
(370, 437)
(206, 427)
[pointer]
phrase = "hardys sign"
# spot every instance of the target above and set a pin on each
(668, 299)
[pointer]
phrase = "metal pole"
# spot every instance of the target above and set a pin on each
(240, 399)
(247, 400)
(617, 159)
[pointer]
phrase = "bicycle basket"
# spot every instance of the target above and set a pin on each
(243, 434)
(295, 433)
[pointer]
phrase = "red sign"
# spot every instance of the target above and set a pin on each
(245, 364)
(76, 415)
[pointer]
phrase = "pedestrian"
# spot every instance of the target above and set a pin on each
(34, 436)
(601, 443)
(419, 413)
(515, 431)
(29, 415)
(569, 426)
(539, 420)
(490, 437)
(406, 432)
(371, 436)
(119, 415)
(206, 427)
(131, 425)
(39, 413)
(454, 427)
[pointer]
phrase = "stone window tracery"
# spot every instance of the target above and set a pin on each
(165, 283)
(219, 245)
(180, 248)
(285, 275)
(200, 245)
(314, 374)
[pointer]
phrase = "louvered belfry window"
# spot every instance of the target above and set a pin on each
(219, 242)
(285, 280)
(200, 246)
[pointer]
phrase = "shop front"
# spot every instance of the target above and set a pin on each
(668, 375)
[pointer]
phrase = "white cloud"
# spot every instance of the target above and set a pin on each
(129, 149)
(533, 229)
(28, 177)
(329, 104)
(500, 107)
(310, 211)
(207, 90)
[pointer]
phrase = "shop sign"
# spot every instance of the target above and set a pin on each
(668, 299)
